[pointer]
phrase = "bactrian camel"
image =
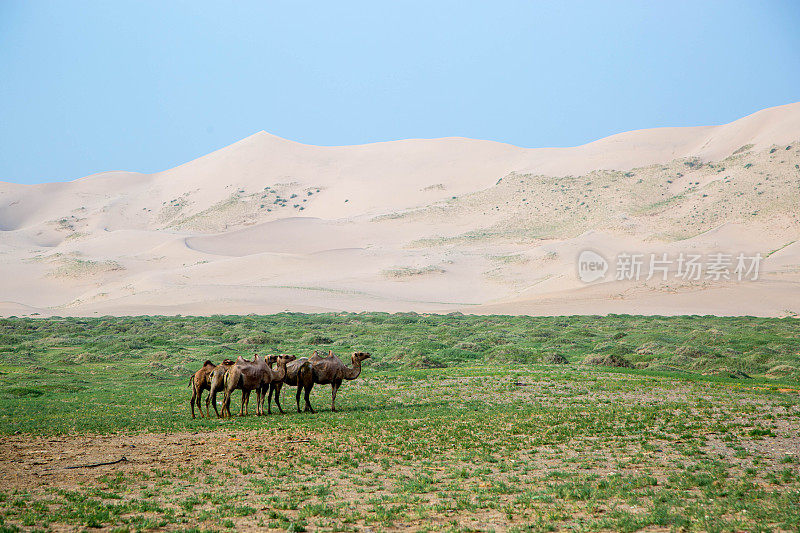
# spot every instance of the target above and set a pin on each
(199, 382)
(217, 380)
(298, 374)
(330, 369)
(272, 377)
(243, 375)
(251, 376)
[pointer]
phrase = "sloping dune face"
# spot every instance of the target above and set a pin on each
(268, 224)
(291, 236)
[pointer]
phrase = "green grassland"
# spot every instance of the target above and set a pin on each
(457, 423)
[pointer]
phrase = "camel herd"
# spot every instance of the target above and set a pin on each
(258, 375)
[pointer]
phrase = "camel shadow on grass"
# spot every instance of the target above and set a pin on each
(367, 408)
(364, 408)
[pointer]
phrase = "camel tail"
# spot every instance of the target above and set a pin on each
(191, 381)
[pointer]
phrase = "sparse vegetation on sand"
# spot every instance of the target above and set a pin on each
(410, 272)
(67, 266)
(686, 195)
(509, 431)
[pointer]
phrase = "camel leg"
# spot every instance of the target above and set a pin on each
(200, 404)
(308, 407)
(278, 387)
(297, 396)
(225, 403)
(212, 398)
(334, 389)
(245, 401)
(208, 406)
(194, 398)
(262, 392)
(199, 400)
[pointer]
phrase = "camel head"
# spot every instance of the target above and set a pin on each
(286, 358)
(272, 359)
(228, 362)
(359, 356)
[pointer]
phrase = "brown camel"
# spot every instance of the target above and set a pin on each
(246, 376)
(199, 382)
(217, 383)
(298, 374)
(272, 377)
(330, 369)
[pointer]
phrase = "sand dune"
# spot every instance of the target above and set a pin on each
(295, 235)
(267, 224)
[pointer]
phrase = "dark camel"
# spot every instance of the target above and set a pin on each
(298, 374)
(217, 383)
(330, 369)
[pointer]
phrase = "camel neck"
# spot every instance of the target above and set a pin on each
(353, 373)
(281, 373)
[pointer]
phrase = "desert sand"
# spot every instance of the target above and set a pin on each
(428, 225)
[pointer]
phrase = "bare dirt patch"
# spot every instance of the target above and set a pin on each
(28, 462)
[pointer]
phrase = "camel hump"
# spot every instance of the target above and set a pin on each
(208, 362)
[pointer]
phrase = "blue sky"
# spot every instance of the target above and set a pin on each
(92, 86)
